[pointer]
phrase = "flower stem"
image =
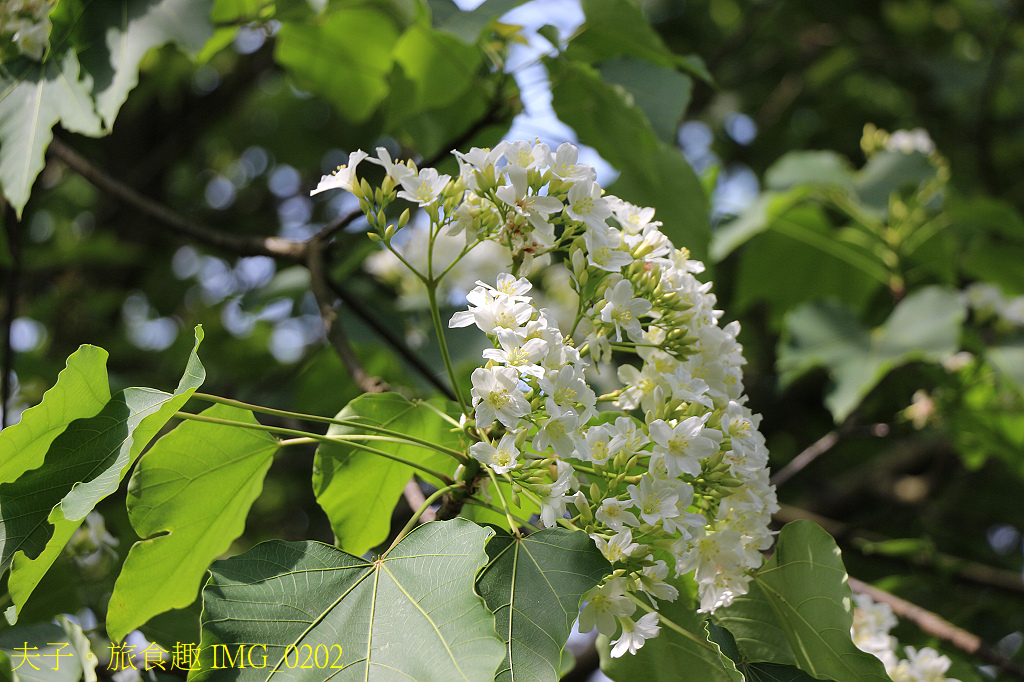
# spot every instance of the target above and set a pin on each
(314, 436)
(416, 515)
(673, 626)
(397, 436)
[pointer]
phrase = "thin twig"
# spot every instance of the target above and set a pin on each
(819, 448)
(868, 543)
(935, 625)
(396, 342)
(244, 245)
(335, 334)
(12, 228)
(415, 498)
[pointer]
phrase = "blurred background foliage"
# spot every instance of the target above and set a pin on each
(875, 275)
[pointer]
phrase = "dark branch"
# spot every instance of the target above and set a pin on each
(335, 334)
(935, 625)
(243, 245)
(12, 227)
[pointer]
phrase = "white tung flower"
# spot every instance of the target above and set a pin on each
(342, 178)
(635, 634)
(496, 395)
(501, 458)
(624, 311)
(603, 605)
(423, 188)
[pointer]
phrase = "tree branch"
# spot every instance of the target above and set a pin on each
(819, 448)
(395, 341)
(243, 245)
(935, 625)
(13, 230)
(867, 543)
(335, 334)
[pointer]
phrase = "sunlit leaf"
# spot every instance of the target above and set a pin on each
(188, 500)
(410, 615)
(534, 586)
(40, 511)
(358, 489)
(81, 391)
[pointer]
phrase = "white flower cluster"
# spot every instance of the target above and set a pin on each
(872, 622)
(29, 22)
(667, 471)
(989, 299)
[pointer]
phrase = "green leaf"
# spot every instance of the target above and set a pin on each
(534, 586)
(120, 34)
(651, 173)
(439, 67)
(671, 655)
(924, 326)
(358, 489)
(188, 500)
(33, 98)
(661, 93)
(467, 26)
(812, 273)
(42, 509)
(809, 168)
(754, 672)
(81, 391)
(410, 615)
(483, 515)
(888, 172)
(617, 28)
(1008, 358)
(345, 58)
(799, 610)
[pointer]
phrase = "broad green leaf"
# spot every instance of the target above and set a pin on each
(888, 172)
(410, 615)
(358, 489)
(33, 98)
(534, 586)
(6, 674)
(670, 655)
(812, 273)
(809, 168)
(188, 500)
(661, 93)
(40, 511)
(121, 32)
(438, 66)
(81, 391)
(617, 28)
(81, 647)
(345, 58)
(467, 26)
(1008, 358)
(799, 610)
(651, 173)
(924, 326)
(754, 672)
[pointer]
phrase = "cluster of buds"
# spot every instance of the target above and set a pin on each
(667, 471)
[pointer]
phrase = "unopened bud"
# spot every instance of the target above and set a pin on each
(403, 219)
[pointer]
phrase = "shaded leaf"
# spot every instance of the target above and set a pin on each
(467, 26)
(888, 172)
(799, 610)
(33, 98)
(358, 489)
(412, 614)
(534, 586)
(661, 93)
(188, 500)
(923, 326)
(809, 168)
(54, 658)
(754, 672)
(122, 32)
(617, 28)
(438, 66)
